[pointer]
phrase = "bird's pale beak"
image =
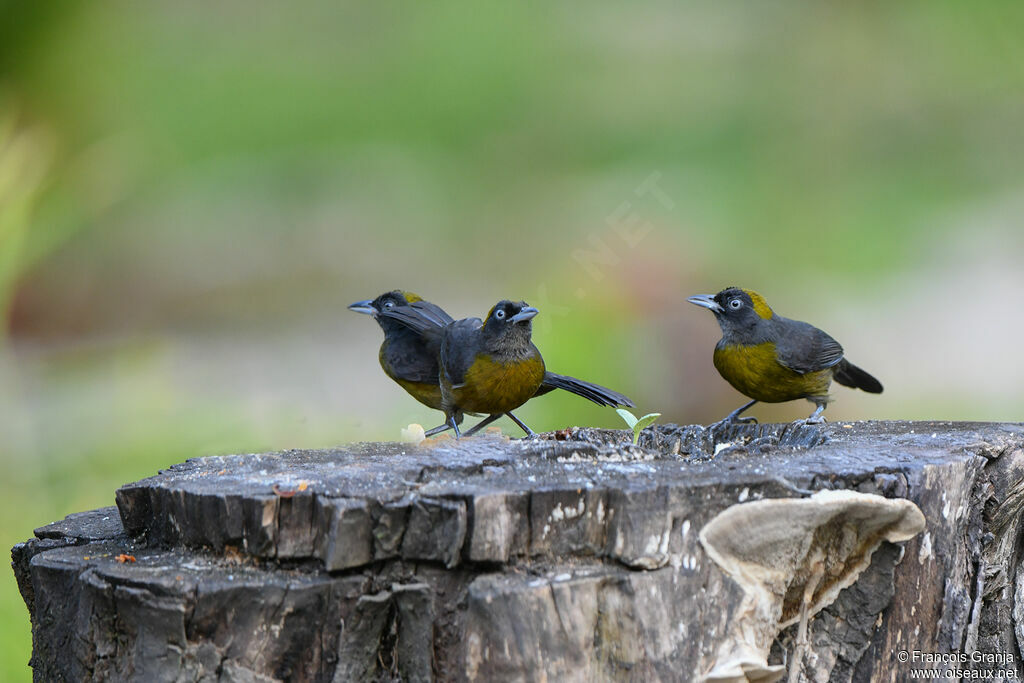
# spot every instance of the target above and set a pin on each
(707, 301)
(525, 314)
(363, 307)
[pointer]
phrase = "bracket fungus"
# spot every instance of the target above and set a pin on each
(792, 557)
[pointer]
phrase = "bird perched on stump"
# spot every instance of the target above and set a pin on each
(406, 356)
(414, 330)
(774, 359)
(490, 367)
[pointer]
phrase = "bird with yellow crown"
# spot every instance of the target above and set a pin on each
(773, 359)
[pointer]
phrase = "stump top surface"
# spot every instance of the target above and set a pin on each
(388, 471)
(494, 499)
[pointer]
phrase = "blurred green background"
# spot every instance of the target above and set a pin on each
(190, 195)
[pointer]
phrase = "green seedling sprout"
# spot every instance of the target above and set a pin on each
(635, 423)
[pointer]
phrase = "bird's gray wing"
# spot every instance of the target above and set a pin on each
(804, 348)
(433, 312)
(459, 348)
(427, 320)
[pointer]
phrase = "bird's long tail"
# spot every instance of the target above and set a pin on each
(602, 396)
(849, 375)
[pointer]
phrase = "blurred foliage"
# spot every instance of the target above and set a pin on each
(24, 155)
(191, 193)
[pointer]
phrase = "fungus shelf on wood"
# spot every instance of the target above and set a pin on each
(575, 558)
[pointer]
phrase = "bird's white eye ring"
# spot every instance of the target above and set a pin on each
(735, 304)
(499, 314)
(389, 304)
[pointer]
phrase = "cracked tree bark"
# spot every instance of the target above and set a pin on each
(490, 559)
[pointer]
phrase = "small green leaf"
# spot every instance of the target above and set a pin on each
(646, 420)
(628, 417)
(636, 424)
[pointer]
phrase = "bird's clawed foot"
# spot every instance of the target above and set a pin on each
(530, 434)
(453, 425)
(734, 417)
(815, 418)
(724, 422)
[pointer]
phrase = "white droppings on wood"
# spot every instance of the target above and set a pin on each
(925, 551)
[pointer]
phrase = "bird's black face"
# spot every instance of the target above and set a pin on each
(507, 314)
(734, 308)
(381, 303)
(384, 302)
(511, 312)
(508, 326)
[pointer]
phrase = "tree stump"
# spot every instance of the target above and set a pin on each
(571, 557)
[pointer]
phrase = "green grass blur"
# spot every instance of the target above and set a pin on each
(190, 195)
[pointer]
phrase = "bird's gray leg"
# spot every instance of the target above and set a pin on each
(529, 432)
(483, 423)
(437, 430)
(451, 422)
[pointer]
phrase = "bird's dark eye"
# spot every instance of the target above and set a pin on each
(735, 304)
(499, 314)
(389, 304)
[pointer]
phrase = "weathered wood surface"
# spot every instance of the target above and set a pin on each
(570, 558)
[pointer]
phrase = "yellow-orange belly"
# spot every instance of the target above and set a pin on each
(491, 386)
(427, 394)
(755, 372)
